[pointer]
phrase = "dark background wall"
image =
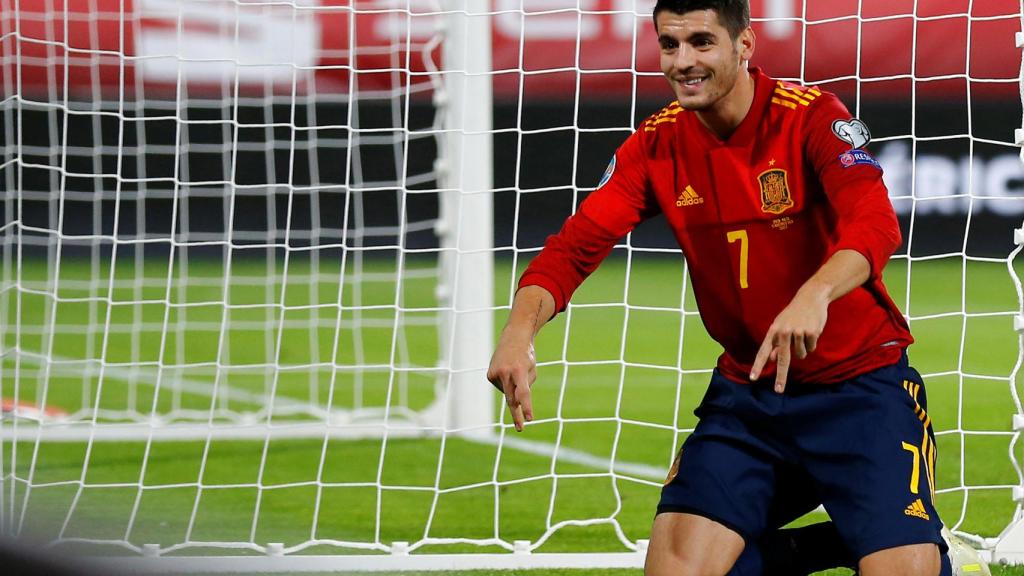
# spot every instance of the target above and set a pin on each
(316, 180)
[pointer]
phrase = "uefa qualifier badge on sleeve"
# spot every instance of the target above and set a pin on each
(855, 133)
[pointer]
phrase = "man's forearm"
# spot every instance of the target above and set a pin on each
(844, 271)
(532, 307)
(513, 366)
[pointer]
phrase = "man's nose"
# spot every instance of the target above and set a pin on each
(685, 58)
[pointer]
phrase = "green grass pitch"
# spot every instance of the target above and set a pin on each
(609, 376)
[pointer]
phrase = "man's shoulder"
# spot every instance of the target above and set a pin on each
(794, 107)
(656, 136)
(796, 97)
(662, 120)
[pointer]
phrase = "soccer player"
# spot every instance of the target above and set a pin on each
(786, 225)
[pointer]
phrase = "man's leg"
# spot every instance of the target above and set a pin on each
(805, 550)
(795, 551)
(921, 559)
(819, 547)
(687, 544)
(868, 444)
(719, 492)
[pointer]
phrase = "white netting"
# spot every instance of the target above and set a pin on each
(232, 266)
(238, 204)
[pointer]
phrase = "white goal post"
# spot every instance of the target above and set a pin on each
(255, 254)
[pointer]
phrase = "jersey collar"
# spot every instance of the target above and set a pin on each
(747, 129)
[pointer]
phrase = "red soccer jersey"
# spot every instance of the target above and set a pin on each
(756, 216)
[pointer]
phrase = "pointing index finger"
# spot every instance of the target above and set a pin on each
(515, 397)
(517, 416)
(762, 357)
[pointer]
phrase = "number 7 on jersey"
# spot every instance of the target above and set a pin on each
(741, 235)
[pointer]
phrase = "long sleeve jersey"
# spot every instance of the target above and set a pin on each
(755, 216)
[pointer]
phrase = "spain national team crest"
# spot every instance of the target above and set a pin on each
(775, 196)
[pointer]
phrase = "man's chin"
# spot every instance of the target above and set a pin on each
(691, 102)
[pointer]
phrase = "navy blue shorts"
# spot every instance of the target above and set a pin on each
(863, 448)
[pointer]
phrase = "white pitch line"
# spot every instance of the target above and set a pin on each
(146, 375)
(574, 456)
(200, 431)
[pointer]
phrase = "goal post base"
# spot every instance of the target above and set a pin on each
(339, 424)
(378, 563)
(1010, 546)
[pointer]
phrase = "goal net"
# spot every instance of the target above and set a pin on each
(254, 254)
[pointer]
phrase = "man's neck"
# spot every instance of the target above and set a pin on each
(730, 111)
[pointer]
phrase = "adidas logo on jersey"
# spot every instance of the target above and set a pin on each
(689, 197)
(917, 509)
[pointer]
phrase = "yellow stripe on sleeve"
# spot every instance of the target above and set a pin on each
(792, 96)
(785, 103)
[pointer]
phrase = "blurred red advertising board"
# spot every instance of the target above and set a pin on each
(542, 49)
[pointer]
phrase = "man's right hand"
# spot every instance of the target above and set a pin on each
(513, 370)
(513, 366)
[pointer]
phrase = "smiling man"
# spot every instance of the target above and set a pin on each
(786, 225)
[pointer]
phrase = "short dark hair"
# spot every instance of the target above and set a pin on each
(733, 14)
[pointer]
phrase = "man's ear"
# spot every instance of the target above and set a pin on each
(746, 42)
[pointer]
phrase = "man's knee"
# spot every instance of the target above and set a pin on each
(690, 545)
(911, 560)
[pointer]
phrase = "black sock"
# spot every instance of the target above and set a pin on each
(803, 551)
